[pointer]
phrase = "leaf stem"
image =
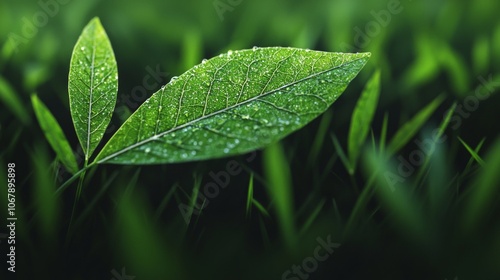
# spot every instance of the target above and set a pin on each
(73, 178)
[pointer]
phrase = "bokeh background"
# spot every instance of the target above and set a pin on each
(128, 221)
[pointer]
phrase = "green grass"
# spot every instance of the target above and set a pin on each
(440, 222)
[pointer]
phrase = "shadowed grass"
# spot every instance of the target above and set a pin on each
(312, 217)
(411, 127)
(472, 152)
(483, 190)
(48, 205)
(383, 134)
(340, 152)
(166, 199)
(319, 140)
(397, 199)
(469, 167)
(261, 208)
(10, 98)
(279, 188)
(152, 256)
(249, 196)
(434, 139)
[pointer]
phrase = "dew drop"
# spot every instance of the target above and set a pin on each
(147, 150)
(82, 48)
(255, 48)
(174, 78)
(204, 61)
(230, 52)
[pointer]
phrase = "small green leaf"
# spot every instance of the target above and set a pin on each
(362, 118)
(93, 85)
(54, 134)
(410, 128)
(310, 220)
(232, 104)
(9, 97)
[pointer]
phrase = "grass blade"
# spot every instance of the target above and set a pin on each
(398, 201)
(47, 204)
(472, 152)
(250, 196)
(279, 188)
(12, 102)
(307, 224)
(54, 134)
(320, 137)
(411, 127)
(483, 190)
(362, 118)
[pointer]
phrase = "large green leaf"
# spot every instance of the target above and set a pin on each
(54, 134)
(93, 85)
(231, 104)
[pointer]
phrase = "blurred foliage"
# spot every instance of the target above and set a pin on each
(440, 221)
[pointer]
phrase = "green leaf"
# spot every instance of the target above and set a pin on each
(232, 104)
(54, 134)
(362, 118)
(410, 128)
(93, 85)
(11, 100)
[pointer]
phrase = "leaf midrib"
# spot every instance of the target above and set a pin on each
(157, 136)
(89, 120)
